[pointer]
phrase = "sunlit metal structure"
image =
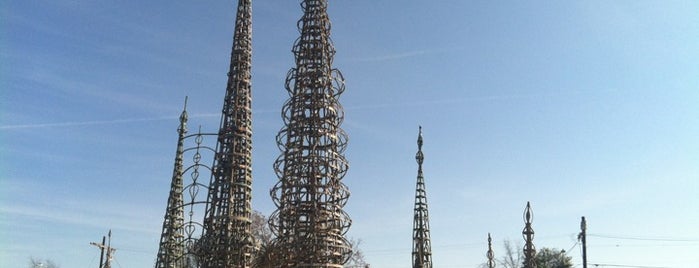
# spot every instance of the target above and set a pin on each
(422, 247)
(310, 223)
(227, 240)
(172, 248)
(182, 226)
(490, 254)
(528, 234)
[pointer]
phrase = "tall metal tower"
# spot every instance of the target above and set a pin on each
(227, 240)
(172, 247)
(528, 234)
(422, 248)
(310, 222)
(490, 254)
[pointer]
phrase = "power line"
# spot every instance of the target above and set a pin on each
(117, 262)
(136, 250)
(442, 246)
(572, 247)
(644, 238)
(623, 265)
(639, 245)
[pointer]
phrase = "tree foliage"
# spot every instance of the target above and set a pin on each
(553, 258)
(357, 259)
(545, 258)
(513, 257)
(266, 250)
(260, 229)
(38, 263)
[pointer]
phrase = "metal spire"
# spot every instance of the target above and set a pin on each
(490, 254)
(310, 222)
(528, 234)
(422, 249)
(171, 250)
(227, 240)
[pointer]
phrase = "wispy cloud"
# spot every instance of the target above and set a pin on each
(266, 111)
(50, 205)
(134, 223)
(389, 57)
(406, 54)
(113, 121)
(85, 123)
(457, 100)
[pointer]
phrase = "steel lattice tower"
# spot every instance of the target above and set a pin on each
(227, 240)
(528, 234)
(310, 222)
(172, 248)
(422, 248)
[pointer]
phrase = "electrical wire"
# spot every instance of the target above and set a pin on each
(571, 248)
(644, 238)
(621, 245)
(623, 265)
(117, 262)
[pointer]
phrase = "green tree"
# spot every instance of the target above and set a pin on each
(553, 258)
(513, 257)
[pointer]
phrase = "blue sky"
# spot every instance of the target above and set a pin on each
(584, 108)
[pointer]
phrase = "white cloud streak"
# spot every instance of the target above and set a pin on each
(405, 55)
(114, 121)
(397, 56)
(457, 100)
(85, 123)
(134, 223)
(207, 115)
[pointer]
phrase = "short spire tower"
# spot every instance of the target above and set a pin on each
(528, 234)
(490, 254)
(171, 249)
(422, 248)
(227, 239)
(310, 223)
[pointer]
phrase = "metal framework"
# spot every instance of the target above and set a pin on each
(227, 239)
(172, 247)
(528, 234)
(180, 239)
(490, 254)
(422, 248)
(310, 223)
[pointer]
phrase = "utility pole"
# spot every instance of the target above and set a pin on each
(582, 236)
(103, 248)
(108, 262)
(102, 251)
